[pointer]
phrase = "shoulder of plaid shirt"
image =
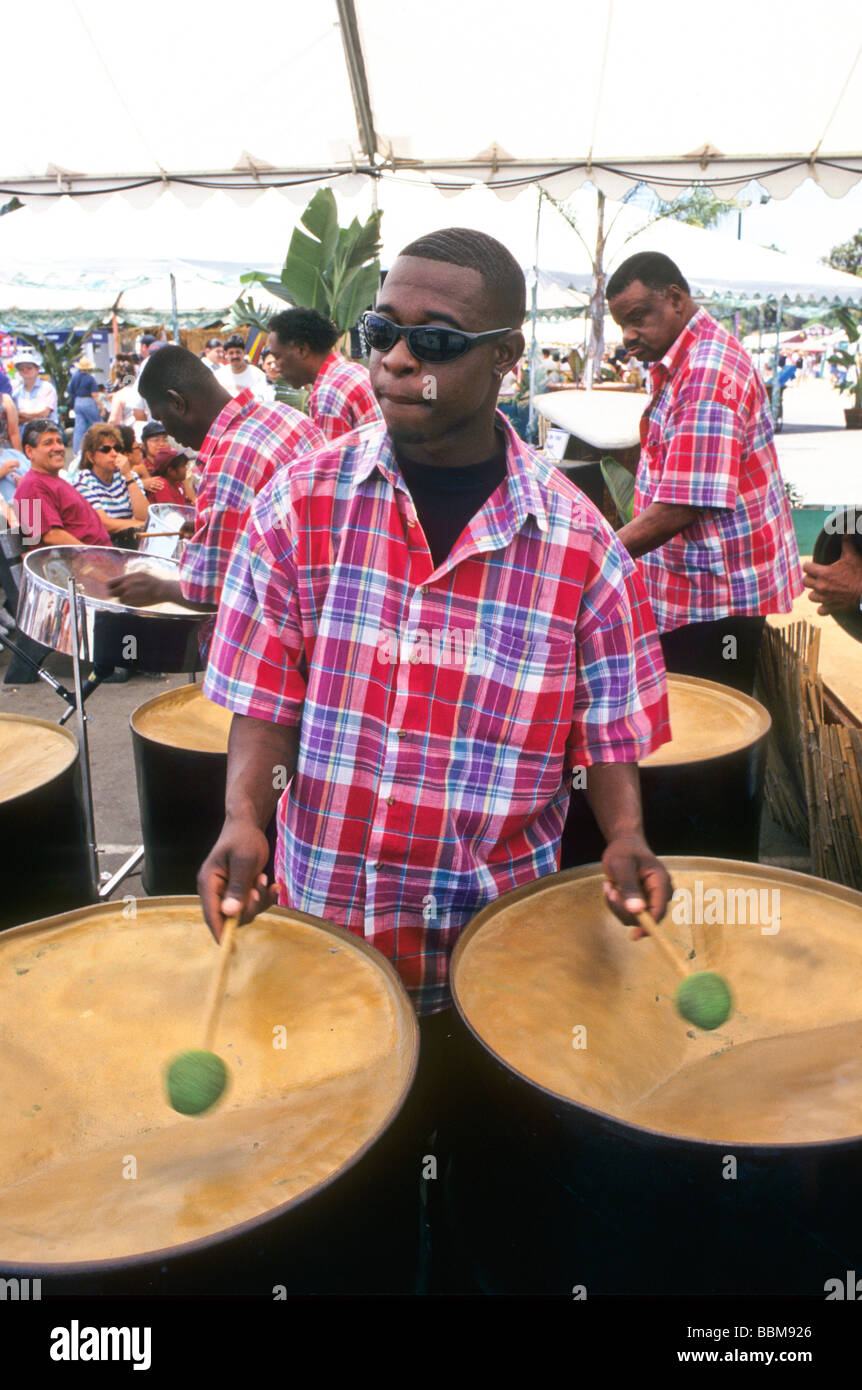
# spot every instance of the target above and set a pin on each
(573, 673)
(247, 443)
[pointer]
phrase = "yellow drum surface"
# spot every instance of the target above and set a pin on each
(785, 1068)
(184, 718)
(32, 752)
(95, 1164)
(707, 721)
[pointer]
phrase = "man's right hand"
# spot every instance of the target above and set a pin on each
(230, 881)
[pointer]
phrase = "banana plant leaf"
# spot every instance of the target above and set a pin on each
(621, 485)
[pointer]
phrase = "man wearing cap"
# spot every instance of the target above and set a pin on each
(238, 374)
(712, 527)
(341, 399)
(35, 399)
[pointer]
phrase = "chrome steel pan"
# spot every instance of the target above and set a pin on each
(111, 633)
(165, 516)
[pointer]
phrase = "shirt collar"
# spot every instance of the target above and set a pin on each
(525, 496)
(226, 417)
(331, 360)
(680, 346)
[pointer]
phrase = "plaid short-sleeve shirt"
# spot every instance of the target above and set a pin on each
(245, 445)
(707, 442)
(341, 398)
(442, 710)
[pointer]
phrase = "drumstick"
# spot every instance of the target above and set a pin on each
(703, 997)
(218, 981)
(196, 1079)
(652, 928)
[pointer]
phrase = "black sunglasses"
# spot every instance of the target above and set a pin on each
(427, 343)
(108, 449)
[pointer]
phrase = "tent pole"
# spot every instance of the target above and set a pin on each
(531, 418)
(776, 389)
(174, 314)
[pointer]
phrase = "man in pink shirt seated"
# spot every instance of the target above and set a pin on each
(51, 511)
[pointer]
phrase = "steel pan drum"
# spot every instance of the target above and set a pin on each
(101, 1178)
(42, 826)
(165, 516)
(163, 637)
(180, 745)
(613, 1119)
(702, 792)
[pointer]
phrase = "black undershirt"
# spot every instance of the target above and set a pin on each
(447, 499)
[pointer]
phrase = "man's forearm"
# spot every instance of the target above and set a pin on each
(655, 525)
(261, 760)
(25, 415)
(614, 795)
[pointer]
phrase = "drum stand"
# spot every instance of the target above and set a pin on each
(105, 889)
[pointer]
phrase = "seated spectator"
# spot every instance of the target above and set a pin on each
(237, 374)
(52, 511)
(13, 463)
(154, 438)
(83, 399)
(35, 399)
(171, 469)
(109, 484)
(133, 450)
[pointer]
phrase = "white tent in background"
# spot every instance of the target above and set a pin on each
(487, 91)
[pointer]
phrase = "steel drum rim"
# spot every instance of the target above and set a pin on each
(110, 605)
(625, 1127)
(754, 706)
(177, 747)
(118, 1263)
(8, 717)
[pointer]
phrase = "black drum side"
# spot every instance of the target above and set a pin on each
(181, 802)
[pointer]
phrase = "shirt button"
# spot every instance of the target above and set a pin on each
(378, 865)
(402, 733)
(414, 657)
(424, 589)
(411, 521)
(390, 801)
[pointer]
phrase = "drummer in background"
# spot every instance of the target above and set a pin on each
(172, 468)
(109, 483)
(712, 525)
(421, 787)
(241, 442)
(303, 344)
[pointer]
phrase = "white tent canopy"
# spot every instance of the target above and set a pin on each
(616, 92)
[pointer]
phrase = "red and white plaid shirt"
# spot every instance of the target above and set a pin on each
(246, 443)
(707, 442)
(440, 708)
(341, 398)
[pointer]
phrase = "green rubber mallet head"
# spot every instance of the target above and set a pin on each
(704, 999)
(702, 996)
(195, 1080)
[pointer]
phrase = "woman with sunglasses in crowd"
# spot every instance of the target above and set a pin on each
(109, 484)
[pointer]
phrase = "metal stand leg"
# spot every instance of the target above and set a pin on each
(82, 731)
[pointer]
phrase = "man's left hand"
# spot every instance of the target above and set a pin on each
(635, 881)
(139, 590)
(837, 587)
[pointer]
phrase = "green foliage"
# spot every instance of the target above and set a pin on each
(698, 206)
(333, 269)
(59, 358)
(620, 484)
(12, 206)
(847, 256)
(851, 361)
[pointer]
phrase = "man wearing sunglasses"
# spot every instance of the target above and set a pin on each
(303, 344)
(431, 774)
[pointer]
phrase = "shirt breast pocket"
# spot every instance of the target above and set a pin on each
(700, 555)
(519, 693)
